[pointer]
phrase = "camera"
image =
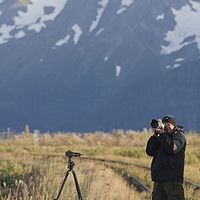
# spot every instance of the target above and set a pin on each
(157, 124)
(70, 154)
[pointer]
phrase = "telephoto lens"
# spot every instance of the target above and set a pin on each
(157, 124)
(154, 123)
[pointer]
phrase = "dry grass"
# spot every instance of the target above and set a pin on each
(37, 175)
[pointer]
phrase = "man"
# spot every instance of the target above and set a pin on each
(167, 147)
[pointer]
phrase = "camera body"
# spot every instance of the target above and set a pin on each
(157, 124)
(71, 154)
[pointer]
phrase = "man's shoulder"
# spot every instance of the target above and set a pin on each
(179, 134)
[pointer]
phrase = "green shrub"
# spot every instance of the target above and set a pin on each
(10, 172)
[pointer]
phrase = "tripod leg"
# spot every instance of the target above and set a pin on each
(63, 183)
(77, 185)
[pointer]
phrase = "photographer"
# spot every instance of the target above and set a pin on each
(167, 147)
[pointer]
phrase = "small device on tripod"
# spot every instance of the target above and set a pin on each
(71, 165)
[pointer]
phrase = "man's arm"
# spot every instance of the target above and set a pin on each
(172, 145)
(152, 145)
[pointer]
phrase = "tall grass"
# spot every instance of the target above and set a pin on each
(32, 165)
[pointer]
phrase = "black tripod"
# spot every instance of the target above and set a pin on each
(71, 164)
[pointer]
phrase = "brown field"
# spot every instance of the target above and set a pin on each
(32, 165)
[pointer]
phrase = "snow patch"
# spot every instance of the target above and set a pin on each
(5, 33)
(37, 27)
(160, 17)
(62, 41)
(179, 60)
(121, 10)
(77, 33)
(168, 67)
(99, 31)
(20, 34)
(105, 58)
(33, 18)
(1, 1)
(35, 14)
(100, 11)
(124, 5)
(176, 65)
(118, 70)
(21, 3)
(187, 25)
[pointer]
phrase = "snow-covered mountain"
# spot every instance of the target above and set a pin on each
(98, 64)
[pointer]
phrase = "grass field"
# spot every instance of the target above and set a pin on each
(32, 165)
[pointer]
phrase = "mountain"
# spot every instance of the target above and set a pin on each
(98, 65)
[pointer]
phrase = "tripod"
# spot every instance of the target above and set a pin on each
(71, 165)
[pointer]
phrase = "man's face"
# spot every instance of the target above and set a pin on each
(169, 126)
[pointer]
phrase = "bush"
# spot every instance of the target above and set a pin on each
(10, 172)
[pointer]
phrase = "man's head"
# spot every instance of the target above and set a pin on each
(169, 121)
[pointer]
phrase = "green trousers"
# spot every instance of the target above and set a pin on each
(168, 191)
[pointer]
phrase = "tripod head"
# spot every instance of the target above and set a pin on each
(70, 154)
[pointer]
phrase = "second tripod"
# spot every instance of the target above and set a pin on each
(71, 164)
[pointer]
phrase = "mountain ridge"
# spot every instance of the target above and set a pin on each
(67, 72)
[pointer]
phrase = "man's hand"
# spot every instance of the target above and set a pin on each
(158, 131)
